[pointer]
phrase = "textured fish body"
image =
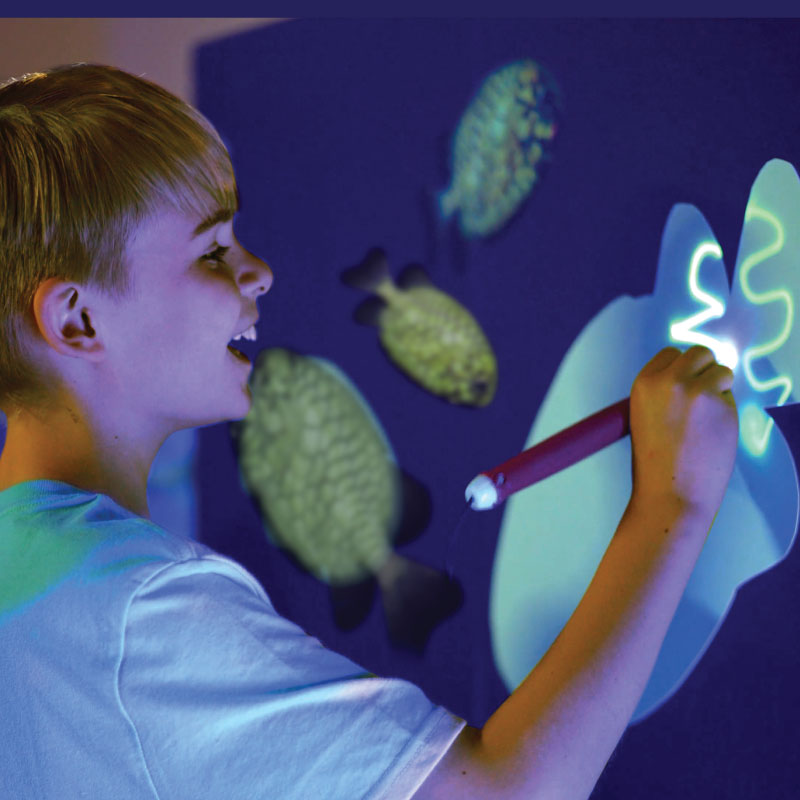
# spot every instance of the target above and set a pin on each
(498, 145)
(315, 457)
(426, 333)
(316, 460)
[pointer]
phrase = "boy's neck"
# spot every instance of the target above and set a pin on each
(61, 447)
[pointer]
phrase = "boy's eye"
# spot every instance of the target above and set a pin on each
(217, 255)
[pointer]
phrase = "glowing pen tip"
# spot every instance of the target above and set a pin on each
(727, 354)
(481, 493)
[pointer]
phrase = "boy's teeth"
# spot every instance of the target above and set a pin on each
(250, 334)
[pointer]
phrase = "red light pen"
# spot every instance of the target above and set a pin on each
(491, 487)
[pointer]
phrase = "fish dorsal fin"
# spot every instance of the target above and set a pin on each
(370, 273)
(369, 312)
(413, 275)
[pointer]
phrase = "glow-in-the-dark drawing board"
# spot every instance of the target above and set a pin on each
(550, 546)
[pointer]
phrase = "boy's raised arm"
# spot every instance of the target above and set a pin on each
(552, 738)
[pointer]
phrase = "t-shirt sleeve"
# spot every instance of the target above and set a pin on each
(230, 700)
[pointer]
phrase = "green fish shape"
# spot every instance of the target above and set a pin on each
(316, 460)
(498, 145)
(425, 332)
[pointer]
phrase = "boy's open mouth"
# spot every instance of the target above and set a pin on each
(249, 334)
(238, 353)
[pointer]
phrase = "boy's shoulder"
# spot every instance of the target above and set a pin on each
(54, 532)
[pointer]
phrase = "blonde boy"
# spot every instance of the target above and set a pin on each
(138, 664)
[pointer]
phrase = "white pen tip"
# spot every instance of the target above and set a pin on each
(727, 354)
(481, 493)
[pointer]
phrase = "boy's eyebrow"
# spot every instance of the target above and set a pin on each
(220, 215)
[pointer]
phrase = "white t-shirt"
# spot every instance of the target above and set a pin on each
(135, 663)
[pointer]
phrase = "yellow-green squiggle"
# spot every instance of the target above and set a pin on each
(757, 442)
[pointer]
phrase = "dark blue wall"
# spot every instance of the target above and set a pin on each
(340, 133)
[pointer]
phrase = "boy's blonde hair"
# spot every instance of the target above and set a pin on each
(87, 152)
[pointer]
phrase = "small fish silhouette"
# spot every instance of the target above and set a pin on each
(425, 332)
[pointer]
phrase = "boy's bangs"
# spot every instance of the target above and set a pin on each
(201, 186)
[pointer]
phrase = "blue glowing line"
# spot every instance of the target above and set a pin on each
(683, 331)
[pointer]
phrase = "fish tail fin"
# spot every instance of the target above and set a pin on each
(446, 203)
(437, 225)
(414, 275)
(352, 603)
(370, 273)
(369, 311)
(416, 598)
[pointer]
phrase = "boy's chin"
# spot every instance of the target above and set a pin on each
(246, 401)
(236, 407)
(232, 415)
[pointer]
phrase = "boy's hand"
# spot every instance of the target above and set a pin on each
(684, 430)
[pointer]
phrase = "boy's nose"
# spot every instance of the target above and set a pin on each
(266, 278)
(259, 274)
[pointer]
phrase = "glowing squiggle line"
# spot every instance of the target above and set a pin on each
(682, 331)
(752, 353)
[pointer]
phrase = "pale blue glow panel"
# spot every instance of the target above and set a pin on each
(550, 545)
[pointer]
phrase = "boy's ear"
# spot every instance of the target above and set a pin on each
(64, 314)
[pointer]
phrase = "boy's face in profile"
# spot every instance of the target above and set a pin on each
(168, 343)
(133, 371)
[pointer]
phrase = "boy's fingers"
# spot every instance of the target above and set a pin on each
(698, 364)
(695, 360)
(660, 361)
(716, 378)
(688, 364)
